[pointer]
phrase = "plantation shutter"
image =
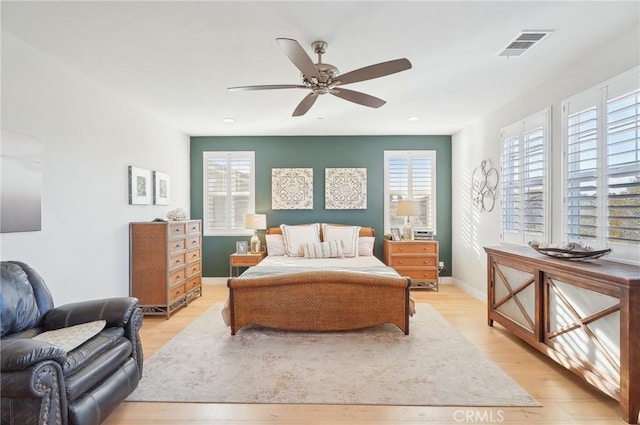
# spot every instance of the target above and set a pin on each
(602, 163)
(533, 178)
(228, 191)
(410, 175)
(524, 182)
(511, 186)
(623, 168)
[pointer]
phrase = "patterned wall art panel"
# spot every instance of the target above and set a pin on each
(292, 188)
(345, 188)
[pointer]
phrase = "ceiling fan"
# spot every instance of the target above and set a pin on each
(322, 78)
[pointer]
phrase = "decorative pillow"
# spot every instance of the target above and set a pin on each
(296, 236)
(331, 249)
(347, 234)
(73, 336)
(365, 246)
(275, 245)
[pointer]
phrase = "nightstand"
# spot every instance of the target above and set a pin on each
(416, 259)
(244, 260)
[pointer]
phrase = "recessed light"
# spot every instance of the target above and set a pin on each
(413, 119)
(228, 120)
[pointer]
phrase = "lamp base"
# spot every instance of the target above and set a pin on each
(407, 231)
(255, 244)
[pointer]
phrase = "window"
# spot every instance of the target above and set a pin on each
(525, 179)
(410, 175)
(229, 192)
(602, 167)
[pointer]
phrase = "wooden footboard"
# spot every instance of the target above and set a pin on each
(319, 301)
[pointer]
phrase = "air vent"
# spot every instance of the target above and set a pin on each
(523, 42)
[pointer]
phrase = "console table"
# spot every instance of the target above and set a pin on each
(585, 315)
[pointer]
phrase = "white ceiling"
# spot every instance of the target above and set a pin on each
(176, 59)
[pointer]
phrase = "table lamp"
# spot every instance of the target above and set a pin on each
(408, 209)
(255, 222)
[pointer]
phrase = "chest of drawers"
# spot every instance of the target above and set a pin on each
(165, 265)
(416, 259)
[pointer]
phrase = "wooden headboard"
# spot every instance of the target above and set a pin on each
(364, 230)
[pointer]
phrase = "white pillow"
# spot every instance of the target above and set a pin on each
(296, 236)
(347, 234)
(275, 245)
(332, 249)
(365, 246)
(73, 336)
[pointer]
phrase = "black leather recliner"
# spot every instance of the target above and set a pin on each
(42, 383)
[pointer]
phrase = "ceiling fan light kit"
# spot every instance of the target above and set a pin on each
(323, 78)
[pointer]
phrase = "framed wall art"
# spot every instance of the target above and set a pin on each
(161, 188)
(292, 188)
(345, 188)
(139, 186)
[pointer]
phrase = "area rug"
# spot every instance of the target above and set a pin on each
(433, 366)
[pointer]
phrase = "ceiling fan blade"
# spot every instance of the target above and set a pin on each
(373, 71)
(357, 97)
(299, 57)
(268, 87)
(305, 105)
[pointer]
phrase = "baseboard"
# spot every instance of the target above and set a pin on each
(215, 281)
(474, 292)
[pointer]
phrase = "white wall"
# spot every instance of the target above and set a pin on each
(481, 140)
(90, 135)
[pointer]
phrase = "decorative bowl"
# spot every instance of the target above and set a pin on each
(581, 253)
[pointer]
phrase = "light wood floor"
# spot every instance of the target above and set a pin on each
(565, 398)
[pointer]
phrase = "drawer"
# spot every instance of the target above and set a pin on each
(193, 268)
(193, 255)
(244, 261)
(193, 227)
(177, 277)
(193, 241)
(422, 260)
(176, 260)
(177, 291)
(176, 229)
(413, 248)
(176, 245)
(193, 283)
(419, 275)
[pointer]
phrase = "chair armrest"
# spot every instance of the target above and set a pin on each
(116, 311)
(20, 354)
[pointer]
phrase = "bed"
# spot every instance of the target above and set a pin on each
(319, 278)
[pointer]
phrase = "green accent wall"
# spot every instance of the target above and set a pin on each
(320, 152)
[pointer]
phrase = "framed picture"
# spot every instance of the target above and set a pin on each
(160, 188)
(395, 233)
(241, 247)
(139, 186)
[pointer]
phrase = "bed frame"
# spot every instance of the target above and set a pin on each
(319, 301)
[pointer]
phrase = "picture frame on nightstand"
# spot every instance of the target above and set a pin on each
(395, 233)
(242, 247)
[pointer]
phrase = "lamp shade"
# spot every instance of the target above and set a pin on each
(255, 221)
(408, 208)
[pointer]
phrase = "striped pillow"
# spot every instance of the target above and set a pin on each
(331, 249)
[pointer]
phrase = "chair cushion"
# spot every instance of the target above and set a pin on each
(17, 301)
(73, 336)
(91, 349)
